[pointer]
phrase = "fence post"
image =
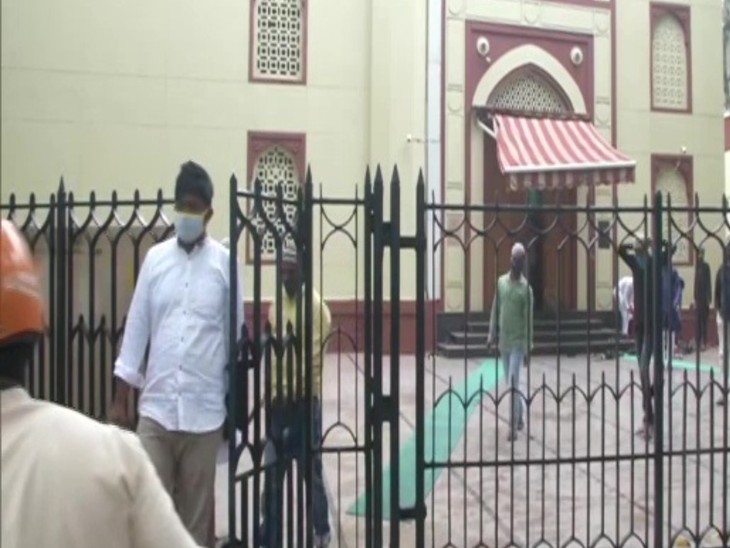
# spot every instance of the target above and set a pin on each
(394, 397)
(658, 384)
(233, 333)
(421, 250)
(60, 331)
(377, 350)
(307, 239)
(369, 489)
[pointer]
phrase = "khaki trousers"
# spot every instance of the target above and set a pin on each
(185, 463)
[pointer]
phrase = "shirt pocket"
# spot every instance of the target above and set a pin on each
(207, 298)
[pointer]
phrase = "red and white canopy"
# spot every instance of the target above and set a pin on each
(544, 153)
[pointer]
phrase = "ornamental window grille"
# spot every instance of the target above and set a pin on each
(671, 182)
(276, 168)
(278, 38)
(528, 92)
(669, 64)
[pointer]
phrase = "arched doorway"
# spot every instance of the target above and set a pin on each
(551, 254)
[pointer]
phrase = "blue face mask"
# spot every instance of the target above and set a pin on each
(641, 259)
(189, 228)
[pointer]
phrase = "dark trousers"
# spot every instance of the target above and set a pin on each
(287, 442)
(703, 315)
(644, 351)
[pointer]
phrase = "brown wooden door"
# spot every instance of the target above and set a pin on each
(551, 257)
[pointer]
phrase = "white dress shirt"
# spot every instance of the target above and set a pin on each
(180, 306)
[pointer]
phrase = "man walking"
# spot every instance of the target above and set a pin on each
(510, 326)
(180, 308)
(703, 298)
(287, 433)
(67, 480)
(637, 258)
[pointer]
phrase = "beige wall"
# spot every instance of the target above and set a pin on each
(642, 133)
(116, 95)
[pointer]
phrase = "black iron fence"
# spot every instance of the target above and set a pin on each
(90, 252)
(413, 449)
(576, 473)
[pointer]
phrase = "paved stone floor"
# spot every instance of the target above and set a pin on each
(560, 483)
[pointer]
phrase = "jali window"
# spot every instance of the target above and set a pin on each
(670, 65)
(276, 168)
(528, 91)
(278, 40)
(673, 179)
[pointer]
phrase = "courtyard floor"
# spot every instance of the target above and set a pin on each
(552, 486)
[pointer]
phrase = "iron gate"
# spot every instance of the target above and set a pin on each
(414, 448)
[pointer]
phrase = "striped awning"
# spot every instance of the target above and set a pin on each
(543, 153)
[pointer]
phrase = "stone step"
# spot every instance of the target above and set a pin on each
(551, 323)
(569, 348)
(578, 333)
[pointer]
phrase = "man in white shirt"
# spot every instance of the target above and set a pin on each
(67, 480)
(180, 308)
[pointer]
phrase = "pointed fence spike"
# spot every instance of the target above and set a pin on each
(308, 180)
(378, 176)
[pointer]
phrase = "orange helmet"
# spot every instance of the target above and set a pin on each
(21, 303)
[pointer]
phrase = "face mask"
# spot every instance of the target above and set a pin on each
(189, 228)
(518, 264)
(641, 259)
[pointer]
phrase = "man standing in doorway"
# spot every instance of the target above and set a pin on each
(703, 298)
(641, 265)
(625, 297)
(180, 308)
(287, 434)
(510, 326)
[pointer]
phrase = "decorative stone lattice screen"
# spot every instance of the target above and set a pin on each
(278, 41)
(276, 167)
(669, 64)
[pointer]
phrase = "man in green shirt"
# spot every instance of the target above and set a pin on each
(510, 326)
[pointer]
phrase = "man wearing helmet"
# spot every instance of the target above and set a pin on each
(67, 480)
